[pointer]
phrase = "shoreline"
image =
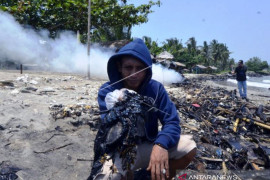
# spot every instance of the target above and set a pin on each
(256, 94)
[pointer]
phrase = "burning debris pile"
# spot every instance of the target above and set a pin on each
(231, 133)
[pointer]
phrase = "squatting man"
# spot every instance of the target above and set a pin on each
(164, 151)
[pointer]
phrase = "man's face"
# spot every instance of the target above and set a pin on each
(240, 64)
(128, 67)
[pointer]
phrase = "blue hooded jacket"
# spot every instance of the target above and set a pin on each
(169, 136)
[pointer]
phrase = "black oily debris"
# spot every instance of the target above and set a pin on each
(123, 128)
(7, 171)
(230, 132)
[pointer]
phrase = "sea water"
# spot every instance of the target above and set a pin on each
(261, 82)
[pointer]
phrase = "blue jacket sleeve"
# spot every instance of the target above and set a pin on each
(169, 136)
(103, 91)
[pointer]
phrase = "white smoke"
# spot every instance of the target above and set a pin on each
(62, 54)
(165, 76)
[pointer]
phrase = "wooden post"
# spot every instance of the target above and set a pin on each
(21, 67)
(88, 37)
(78, 37)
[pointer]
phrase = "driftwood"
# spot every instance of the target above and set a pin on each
(53, 136)
(235, 125)
(190, 127)
(53, 149)
(257, 123)
(213, 159)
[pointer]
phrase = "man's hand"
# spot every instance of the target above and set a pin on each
(159, 160)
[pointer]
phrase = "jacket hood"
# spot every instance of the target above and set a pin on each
(137, 49)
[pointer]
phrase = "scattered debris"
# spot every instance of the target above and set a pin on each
(7, 83)
(79, 110)
(53, 149)
(47, 90)
(231, 133)
(53, 136)
(8, 171)
(23, 78)
(33, 82)
(2, 128)
(15, 91)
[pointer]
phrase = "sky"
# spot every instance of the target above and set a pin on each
(243, 25)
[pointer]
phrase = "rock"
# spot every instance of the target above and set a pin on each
(2, 128)
(30, 88)
(24, 91)
(6, 83)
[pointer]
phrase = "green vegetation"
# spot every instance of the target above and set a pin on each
(215, 54)
(256, 64)
(110, 19)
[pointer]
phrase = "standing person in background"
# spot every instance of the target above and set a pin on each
(241, 78)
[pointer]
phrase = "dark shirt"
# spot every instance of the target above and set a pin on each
(241, 73)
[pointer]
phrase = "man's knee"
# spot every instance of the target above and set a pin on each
(184, 161)
(191, 154)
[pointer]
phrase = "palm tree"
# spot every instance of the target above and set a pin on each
(205, 53)
(148, 41)
(173, 46)
(215, 53)
(152, 45)
(224, 56)
(192, 46)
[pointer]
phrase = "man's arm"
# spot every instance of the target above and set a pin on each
(103, 91)
(245, 69)
(233, 71)
(169, 135)
(167, 138)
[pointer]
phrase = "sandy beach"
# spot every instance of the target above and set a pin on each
(42, 147)
(29, 127)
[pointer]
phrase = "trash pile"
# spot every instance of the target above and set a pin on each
(79, 113)
(231, 133)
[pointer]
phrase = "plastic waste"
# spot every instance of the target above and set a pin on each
(116, 96)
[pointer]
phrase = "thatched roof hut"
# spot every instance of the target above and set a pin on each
(200, 66)
(198, 69)
(165, 55)
(212, 68)
(179, 64)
